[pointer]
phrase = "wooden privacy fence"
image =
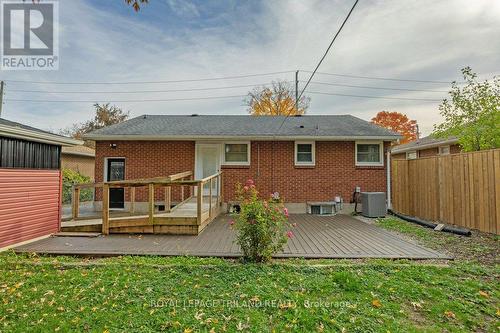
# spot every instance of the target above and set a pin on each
(461, 189)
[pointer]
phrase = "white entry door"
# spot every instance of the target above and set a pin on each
(207, 163)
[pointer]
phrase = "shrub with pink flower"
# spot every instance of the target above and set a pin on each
(262, 226)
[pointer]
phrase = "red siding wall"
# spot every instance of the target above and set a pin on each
(29, 204)
(272, 167)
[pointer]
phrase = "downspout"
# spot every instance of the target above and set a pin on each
(388, 176)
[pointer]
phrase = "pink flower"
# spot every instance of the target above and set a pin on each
(250, 182)
(231, 222)
(245, 188)
(289, 234)
(285, 211)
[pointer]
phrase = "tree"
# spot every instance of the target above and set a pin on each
(136, 4)
(398, 123)
(279, 99)
(472, 113)
(105, 115)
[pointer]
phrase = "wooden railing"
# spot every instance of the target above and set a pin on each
(180, 180)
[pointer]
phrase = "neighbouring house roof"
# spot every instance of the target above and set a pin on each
(78, 150)
(179, 127)
(424, 143)
(16, 130)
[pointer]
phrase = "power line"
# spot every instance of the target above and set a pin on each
(381, 97)
(138, 91)
(379, 78)
(154, 82)
(377, 88)
(320, 61)
(121, 101)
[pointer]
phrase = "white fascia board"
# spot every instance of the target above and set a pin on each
(26, 134)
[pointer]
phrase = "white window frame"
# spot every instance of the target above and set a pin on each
(411, 152)
(441, 153)
(381, 151)
(313, 153)
(249, 148)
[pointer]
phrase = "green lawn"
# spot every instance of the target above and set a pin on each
(137, 294)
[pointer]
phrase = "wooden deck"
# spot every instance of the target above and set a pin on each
(339, 236)
(188, 217)
(181, 220)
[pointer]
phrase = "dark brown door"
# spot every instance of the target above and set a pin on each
(116, 171)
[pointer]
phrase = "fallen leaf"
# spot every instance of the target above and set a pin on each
(376, 303)
(484, 294)
(449, 314)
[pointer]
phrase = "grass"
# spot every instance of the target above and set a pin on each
(481, 247)
(182, 294)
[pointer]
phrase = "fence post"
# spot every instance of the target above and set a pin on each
(76, 201)
(168, 198)
(132, 199)
(199, 202)
(210, 183)
(151, 202)
(105, 209)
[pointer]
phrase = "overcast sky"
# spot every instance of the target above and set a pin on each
(173, 40)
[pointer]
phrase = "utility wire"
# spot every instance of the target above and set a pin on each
(379, 78)
(121, 101)
(319, 63)
(381, 97)
(377, 88)
(154, 82)
(139, 91)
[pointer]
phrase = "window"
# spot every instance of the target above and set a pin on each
(411, 155)
(444, 150)
(237, 153)
(369, 153)
(304, 153)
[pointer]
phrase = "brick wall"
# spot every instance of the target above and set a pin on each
(82, 164)
(272, 168)
(146, 159)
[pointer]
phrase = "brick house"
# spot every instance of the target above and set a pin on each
(426, 147)
(304, 158)
(80, 159)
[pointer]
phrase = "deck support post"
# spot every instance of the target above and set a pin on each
(168, 198)
(76, 201)
(105, 209)
(221, 189)
(151, 202)
(132, 200)
(199, 202)
(210, 183)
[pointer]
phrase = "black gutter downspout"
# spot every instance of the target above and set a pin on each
(454, 230)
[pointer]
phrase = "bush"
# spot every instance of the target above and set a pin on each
(71, 177)
(262, 226)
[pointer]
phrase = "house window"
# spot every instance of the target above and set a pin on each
(304, 153)
(369, 153)
(237, 153)
(444, 150)
(411, 155)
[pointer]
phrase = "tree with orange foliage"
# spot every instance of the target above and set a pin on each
(277, 100)
(398, 123)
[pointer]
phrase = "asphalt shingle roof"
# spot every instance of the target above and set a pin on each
(425, 142)
(251, 126)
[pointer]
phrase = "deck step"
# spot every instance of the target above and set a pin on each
(77, 234)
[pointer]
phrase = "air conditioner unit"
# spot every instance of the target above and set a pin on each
(373, 204)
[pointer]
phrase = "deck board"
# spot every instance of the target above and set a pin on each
(339, 236)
